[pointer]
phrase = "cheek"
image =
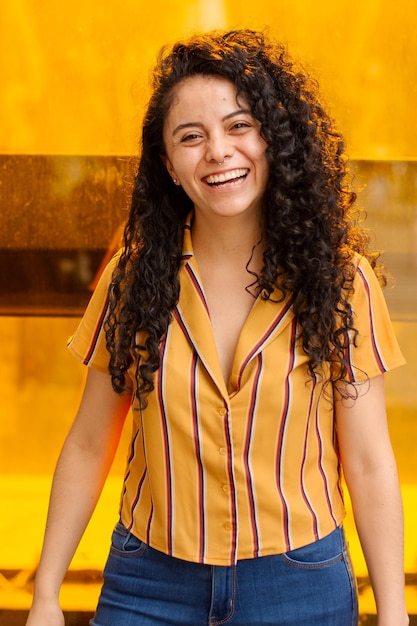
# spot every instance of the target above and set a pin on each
(262, 160)
(263, 147)
(257, 147)
(187, 168)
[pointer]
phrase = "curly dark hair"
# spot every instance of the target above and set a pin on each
(308, 227)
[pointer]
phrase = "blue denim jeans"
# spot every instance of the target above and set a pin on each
(310, 586)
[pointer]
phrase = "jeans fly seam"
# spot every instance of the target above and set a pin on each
(232, 603)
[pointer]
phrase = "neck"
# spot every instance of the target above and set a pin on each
(226, 239)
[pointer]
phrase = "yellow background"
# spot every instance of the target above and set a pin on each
(74, 73)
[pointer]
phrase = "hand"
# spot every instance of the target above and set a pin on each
(45, 614)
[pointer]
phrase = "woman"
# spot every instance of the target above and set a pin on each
(245, 325)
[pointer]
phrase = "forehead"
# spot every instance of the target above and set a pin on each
(201, 92)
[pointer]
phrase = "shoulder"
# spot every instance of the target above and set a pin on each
(364, 279)
(374, 349)
(105, 272)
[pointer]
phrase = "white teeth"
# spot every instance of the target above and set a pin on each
(223, 178)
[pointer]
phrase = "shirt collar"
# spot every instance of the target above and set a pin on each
(187, 245)
(265, 321)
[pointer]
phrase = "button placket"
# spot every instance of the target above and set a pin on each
(222, 413)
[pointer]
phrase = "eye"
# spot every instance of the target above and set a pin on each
(242, 126)
(190, 137)
(239, 125)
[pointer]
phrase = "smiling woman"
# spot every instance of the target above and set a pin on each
(244, 323)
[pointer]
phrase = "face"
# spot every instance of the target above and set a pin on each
(214, 148)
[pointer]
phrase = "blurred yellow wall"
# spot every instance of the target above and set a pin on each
(74, 73)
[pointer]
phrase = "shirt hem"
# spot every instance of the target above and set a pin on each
(244, 556)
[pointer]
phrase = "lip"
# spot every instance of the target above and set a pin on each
(228, 178)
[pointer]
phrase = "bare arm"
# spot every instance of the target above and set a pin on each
(371, 477)
(79, 477)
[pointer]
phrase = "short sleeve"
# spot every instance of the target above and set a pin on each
(375, 349)
(88, 344)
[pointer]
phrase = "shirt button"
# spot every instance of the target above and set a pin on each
(222, 451)
(226, 488)
(228, 526)
(222, 412)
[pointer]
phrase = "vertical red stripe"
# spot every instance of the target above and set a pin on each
(302, 487)
(137, 498)
(375, 349)
(233, 549)
(167, 451)
(201, 490)
(258, 347)
(149, 524)
(281, 436)
(320, 467)
(197, 286)
(249, 482)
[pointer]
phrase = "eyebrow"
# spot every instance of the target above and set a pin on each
(180, 127)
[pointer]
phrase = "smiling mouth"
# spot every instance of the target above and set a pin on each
(228, 179)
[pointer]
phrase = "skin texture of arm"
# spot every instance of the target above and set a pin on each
(371, 476)
(79, 477)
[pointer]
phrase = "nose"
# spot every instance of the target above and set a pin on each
(219, 148)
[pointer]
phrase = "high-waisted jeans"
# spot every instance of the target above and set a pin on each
(310, 586)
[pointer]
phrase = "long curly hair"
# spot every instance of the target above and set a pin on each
(308, 221)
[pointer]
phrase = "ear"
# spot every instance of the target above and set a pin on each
(170, 169)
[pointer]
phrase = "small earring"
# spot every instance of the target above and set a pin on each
(175, 181)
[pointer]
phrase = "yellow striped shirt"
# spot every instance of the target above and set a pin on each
(214, 473)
